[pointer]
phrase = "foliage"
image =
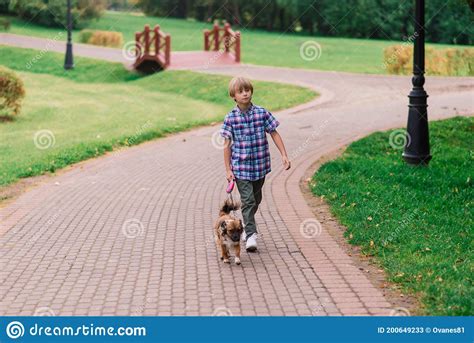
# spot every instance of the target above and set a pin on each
(398, 59)
(11, 92)
(103, 38)
(53, 13)
(447, 21)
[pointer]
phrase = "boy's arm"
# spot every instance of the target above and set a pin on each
(281, 147)
(227, 155)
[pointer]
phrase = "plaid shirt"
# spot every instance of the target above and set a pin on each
(250, 152)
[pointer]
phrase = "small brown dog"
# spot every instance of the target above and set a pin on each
(228, 231)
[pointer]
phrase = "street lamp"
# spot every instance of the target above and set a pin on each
(68, 62)
(417, 149)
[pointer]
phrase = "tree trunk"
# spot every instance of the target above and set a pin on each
(236, 10)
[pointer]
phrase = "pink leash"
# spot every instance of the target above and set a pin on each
(230, 188)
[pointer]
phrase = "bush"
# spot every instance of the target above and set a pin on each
(11, 92)
(85, 35)
(53, 12)
(5, 24)
(103, 38)
(398, 59)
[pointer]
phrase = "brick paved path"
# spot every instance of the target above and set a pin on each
(130, 233)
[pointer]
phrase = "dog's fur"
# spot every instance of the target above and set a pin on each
(228, 230)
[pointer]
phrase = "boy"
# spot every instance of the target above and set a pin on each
(246, 151)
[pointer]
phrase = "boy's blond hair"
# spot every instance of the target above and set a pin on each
(239, 83)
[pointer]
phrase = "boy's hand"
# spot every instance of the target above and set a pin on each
(230, 176)
(286, 162)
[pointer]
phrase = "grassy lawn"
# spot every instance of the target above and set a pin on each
(416, 222)
(99, 106)
(339, 54)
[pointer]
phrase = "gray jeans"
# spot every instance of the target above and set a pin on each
(251, 197)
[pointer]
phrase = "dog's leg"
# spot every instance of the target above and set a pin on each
(225, 253)
(237, 253)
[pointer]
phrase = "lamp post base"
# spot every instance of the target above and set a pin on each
(68, 63)
(421, 160)
(417, 151)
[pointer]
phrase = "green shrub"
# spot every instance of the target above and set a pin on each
(11, 92)
(5, 24)
(85, 35)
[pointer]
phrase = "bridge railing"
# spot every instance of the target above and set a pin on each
(149, 44)
(223, 35)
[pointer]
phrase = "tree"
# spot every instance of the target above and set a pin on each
(53, 12)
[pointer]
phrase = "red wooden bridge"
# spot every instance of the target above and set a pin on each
(153, 50)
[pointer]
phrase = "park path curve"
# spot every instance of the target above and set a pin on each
(130, 233)
(179, 60)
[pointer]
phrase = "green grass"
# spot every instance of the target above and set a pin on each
(86, 69)
(99, 106)
(416, 222)
(258, 47)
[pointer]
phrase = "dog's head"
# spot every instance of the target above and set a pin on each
(232, 228)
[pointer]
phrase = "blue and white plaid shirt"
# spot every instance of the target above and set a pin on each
(250, 151)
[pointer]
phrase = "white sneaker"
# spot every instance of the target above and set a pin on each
(251, 244)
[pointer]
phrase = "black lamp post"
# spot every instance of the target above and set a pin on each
(68, 62)
(417, 149)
